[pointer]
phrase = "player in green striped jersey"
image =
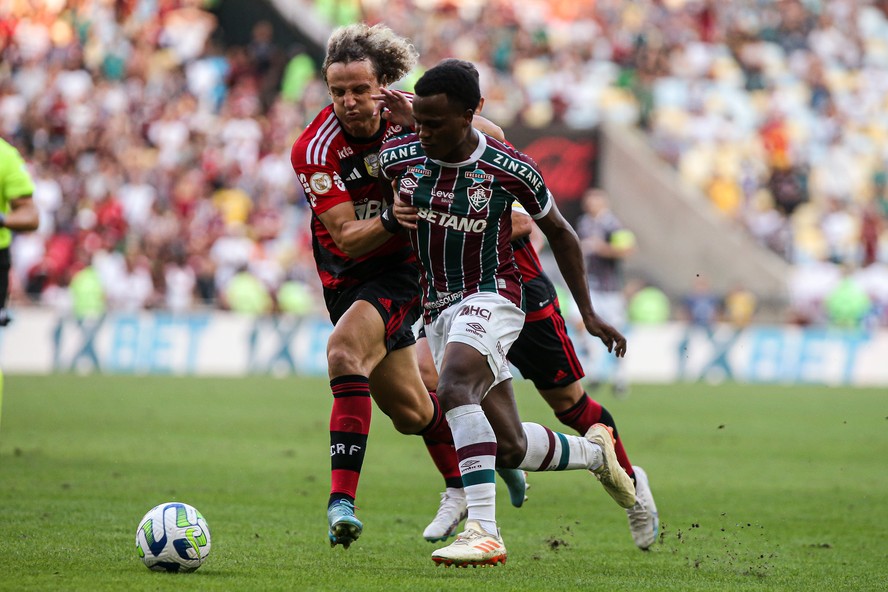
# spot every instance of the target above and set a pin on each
(462, 183)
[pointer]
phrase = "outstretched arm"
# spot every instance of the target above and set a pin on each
(566, 249)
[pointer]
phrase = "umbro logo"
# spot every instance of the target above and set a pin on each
(469, 464)
(476, 327)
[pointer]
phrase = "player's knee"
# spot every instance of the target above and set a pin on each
(509, 454)
(342, 361)
(429, 378)
(407, 421)
(511, 448)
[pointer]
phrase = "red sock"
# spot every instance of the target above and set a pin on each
(437, 429)
(349, 426)
(439, 442)
(586, 413)
(444, 457)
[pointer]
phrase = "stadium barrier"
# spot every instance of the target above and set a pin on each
(217, 343)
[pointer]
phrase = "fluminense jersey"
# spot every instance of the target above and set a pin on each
(334, 168)
(464, 228)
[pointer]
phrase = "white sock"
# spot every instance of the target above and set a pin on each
(476, 448)
(554, 451)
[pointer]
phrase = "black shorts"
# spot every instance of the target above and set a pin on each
(544, 353)
(395, 295)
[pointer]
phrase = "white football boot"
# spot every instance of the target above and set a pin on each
(472, 547)
(644, 522)
(451, 512)
(610, 474)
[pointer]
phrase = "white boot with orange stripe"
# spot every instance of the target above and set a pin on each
(472, 547)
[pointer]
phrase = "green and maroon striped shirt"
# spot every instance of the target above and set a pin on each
(464, 229)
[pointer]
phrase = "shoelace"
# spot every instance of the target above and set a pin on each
(343, 508)
(466, 537)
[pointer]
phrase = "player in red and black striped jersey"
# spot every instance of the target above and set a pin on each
(367, 269)
(337, 168)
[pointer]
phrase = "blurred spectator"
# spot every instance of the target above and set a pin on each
(295, 298)
(847, 305)
(809, 285)
(127, 282)
(245, 294)
(648, 305)
(739, 307)
(131, 111)
(702, 307)
(180, 281)
(606, 243)
(87, 294)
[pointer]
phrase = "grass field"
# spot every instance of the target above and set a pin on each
(758, 487)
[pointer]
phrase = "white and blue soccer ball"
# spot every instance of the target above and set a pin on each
(173, 537)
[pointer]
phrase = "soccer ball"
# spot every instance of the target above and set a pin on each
(173, 537)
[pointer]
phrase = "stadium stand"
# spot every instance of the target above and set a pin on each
(147, 132)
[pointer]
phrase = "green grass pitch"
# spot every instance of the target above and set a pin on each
(759, 488)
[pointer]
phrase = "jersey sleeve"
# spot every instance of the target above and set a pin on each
(391, 163)
(545, 205)
(14, 174)
(321, 181)
(521, 177)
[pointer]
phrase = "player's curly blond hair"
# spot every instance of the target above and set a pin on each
(391, 56)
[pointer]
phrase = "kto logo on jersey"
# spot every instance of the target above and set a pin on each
(345, 152)
(474, 311)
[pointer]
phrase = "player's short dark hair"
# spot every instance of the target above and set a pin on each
(462, 64)
(453, 80)
(391, 56)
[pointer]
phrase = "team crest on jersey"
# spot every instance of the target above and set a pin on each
(479, 197)
(371, 163)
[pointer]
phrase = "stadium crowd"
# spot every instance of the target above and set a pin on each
(161, 158)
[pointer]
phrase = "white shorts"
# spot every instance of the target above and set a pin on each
(485, 321)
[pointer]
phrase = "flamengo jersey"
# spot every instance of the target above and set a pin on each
(334, 168)
(464, 226)
(539, 292)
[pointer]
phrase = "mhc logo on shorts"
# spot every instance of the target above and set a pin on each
(474, 311)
